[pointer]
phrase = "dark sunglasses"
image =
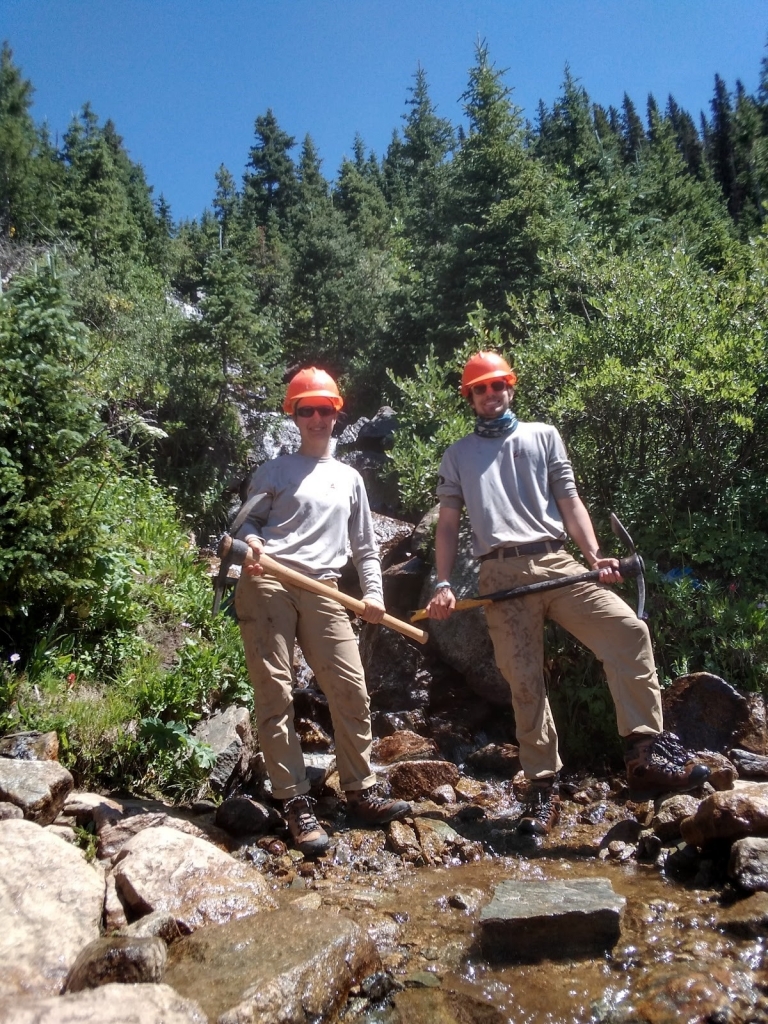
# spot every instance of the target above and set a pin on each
(495, 385)
(307, 411)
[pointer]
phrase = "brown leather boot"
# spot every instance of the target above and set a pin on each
(660, 764)
(542, 807)
(307, 834)
(370, 807)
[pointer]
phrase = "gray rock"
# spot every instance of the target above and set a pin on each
(707, 713)
(158, 923)
(8, 811)
(241, 816)
(395, 673)
(670, 814)
(532, 920)
(294, 968)
(748, 864)
(50, 909)
(127, 960)
(110, 1004)
(30, 746)
(749, 765)
(378, 434)
(229, 735)
(463, 641)
(162, 869)
(39, 788)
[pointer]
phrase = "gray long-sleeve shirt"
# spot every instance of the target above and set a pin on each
(509, 485)
(311, 514)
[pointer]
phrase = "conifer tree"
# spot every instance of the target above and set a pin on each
(633, 133)
(19, 145)
(270, 183)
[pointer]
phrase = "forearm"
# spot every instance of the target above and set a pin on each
(579, 527)
(446, 541)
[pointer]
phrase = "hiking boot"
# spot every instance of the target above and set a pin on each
(307, 834)
(542, 807)
(661, 764)
(370, 807)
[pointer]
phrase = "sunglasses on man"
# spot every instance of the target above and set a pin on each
(495, 385)
(307, 411)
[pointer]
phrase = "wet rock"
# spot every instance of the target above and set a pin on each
(429, 1003)
(733, 814)
(403, 746)
(749, 765)
(695, 994)
(110, 1004)
(241, 816)
(468, 900)
(533, 920)
(312, 736)
(113, 837)
(748, 918)
(413, 780)
(443, 795)
(8, 811)
(162, 869)
(39, 788)
(670, 814)
(127, 960)
(158, 924)
(402, 839)
(114, 916)
(440, 843)
(496, 758)
(50, 909)
(310, 704)
(723, 772)
(30, 746)
(229, 735)
(297, 968)
(707, 713)
(748, 864)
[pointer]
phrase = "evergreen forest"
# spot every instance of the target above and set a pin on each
(618, 257)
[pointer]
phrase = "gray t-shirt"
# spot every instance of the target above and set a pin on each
(311, 514)
(509, 485)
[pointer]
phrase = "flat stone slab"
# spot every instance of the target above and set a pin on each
(551, 920)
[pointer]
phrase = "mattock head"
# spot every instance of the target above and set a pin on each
(621, 532)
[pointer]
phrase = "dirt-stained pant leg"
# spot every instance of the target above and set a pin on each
(596, 616)
(268, 617)
(325, 636)
(517, 631)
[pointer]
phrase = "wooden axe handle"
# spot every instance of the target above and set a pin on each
(286, 575)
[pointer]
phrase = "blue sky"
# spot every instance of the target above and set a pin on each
(184, 80)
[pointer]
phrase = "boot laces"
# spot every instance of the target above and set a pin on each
(539, 802)
(305, 819)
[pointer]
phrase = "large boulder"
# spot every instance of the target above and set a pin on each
(51, 902)
(707, 713)
(39, 788)
(297, 968)
(229, 735)
(732, 814)
(111, 1004)
(162, 869)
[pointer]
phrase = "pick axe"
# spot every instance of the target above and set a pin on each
(237, 552)
(630, 567)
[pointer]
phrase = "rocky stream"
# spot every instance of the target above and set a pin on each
(120, 909)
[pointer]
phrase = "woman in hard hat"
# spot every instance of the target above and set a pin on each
(310, 511)
(520, 493)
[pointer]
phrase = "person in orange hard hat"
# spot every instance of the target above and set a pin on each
(518, 486)
(307, 511)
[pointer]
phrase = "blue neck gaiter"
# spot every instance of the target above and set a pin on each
(499, 427)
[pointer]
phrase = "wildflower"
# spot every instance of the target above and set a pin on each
(71, 678)
(14, 658)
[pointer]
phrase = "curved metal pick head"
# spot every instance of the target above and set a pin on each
(621, 532)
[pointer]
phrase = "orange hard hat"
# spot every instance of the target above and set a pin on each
(484, 366)
(311, 383)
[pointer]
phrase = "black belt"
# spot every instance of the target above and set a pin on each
(539, 547)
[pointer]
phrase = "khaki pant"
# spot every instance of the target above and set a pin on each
(596, 616)
(272, 616)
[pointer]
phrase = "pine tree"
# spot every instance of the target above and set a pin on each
(18, 148)
(633, 133)
(686, 136)
(270, 184)
(720, 145)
